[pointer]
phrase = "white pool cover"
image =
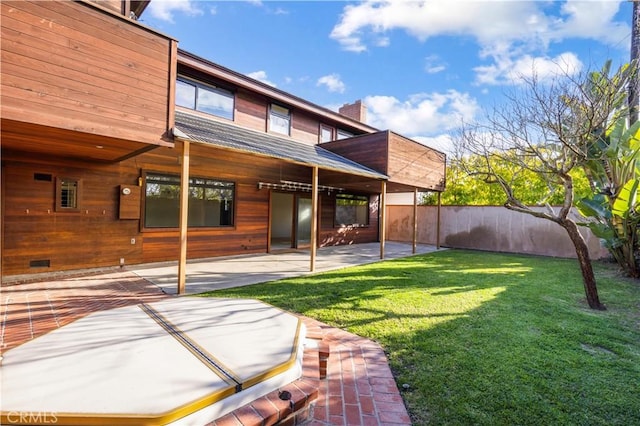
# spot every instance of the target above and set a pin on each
(179, 361)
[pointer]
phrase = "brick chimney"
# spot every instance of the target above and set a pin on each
(356, 110)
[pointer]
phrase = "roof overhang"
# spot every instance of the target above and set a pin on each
(194, 128)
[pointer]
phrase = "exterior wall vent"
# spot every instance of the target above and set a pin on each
(41, 263)
(43, 177)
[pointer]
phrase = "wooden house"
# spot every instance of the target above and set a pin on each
(118, 148)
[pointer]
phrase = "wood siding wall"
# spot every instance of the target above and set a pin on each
(68, 65)
(369, 150)
(406, 162)
(96, 236)
(411, 163)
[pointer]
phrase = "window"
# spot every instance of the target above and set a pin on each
(68, 194)
(209, 99)
(326, 133)
(279, 119)
(352, 209)
(343, 134)
(210, 202)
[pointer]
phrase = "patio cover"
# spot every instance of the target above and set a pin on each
(197, 129)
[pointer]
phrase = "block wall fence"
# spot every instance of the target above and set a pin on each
(489, 228)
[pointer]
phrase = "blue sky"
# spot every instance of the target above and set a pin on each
(420, 66)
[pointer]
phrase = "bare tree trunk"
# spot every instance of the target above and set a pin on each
(584, 259)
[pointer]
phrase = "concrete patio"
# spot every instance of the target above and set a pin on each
(218, 273)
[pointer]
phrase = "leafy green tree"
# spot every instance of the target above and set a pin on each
(614, 207)
(465, 190)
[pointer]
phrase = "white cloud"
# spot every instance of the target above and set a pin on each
(333, 83)
(486, 21)
(509, 33)
(421, 114)
(444, 143)
(165, 9)
(507, 70)
(434, 65)
(261, 76)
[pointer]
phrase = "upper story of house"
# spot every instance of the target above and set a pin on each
(90, 71)
(111, 88)
(213, 91)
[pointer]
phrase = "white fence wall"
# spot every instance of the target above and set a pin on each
(489, 228)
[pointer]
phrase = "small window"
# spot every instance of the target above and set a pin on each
(68, 194)
(343, 134)
(211, 202)
(205, 98)
(352, 210)
(326, 133)
(279, 119)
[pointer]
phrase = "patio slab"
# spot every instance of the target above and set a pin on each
(218, 273)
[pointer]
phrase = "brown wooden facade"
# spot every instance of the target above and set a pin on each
(88, 95)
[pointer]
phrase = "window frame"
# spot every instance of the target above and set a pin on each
(343, 134)
(59, 194)
(354, 197)
(331, 132)
(276, 114)
(199, 85)
(144, 227)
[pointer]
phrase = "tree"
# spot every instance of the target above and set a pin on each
(613, 165)
(544, 128)
(465, 190)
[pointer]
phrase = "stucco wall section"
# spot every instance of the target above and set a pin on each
(486, 228)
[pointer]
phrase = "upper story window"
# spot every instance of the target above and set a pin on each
(326, 133)
(343, 134)
(279, 119)
(205, 98)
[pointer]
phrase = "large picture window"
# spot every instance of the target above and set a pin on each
(209, 99)
(210, 202)
(352, 209)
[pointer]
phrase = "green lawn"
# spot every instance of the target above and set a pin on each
(484, 338)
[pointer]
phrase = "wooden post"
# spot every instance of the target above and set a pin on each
(383, 215)
(415, 219)
(438, 222)
(184, 216)
(314, 218)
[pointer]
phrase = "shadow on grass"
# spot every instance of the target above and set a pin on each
(483, 338)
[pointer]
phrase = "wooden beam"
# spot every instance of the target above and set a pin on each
(184, 216)
(415, 219)
(438, 222)
(383, 215)
(314, 218)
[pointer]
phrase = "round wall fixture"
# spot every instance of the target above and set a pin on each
(126, 191)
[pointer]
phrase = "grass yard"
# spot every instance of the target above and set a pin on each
(484, 338)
